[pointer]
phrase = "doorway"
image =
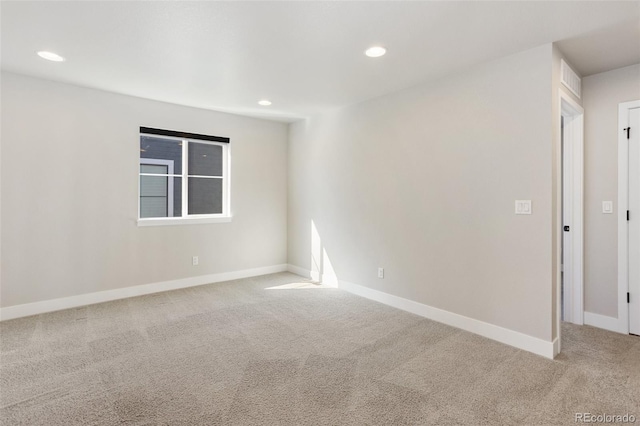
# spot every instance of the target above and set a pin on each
(571, 282)
(629, 217)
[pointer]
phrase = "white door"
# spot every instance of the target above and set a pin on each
(567, 216)
(634, 221)
(572, 211)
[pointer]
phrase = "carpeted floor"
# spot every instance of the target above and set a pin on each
(268, 351)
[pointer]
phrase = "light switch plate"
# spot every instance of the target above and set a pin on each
(523, 207)
(607, 207)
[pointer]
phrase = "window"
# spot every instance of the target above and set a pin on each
(184, 178)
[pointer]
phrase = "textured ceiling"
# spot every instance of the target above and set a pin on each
(305, 57)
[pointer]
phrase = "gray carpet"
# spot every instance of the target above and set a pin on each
(245, 353)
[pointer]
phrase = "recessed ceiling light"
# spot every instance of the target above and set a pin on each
(375, 51)
(50, 56)
(264, 102)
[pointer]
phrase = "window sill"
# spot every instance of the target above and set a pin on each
(183, 221)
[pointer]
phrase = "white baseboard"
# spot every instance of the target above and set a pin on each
(299, 271)
(603, 321)
(491, 331)
(494, 332)
(28, 309)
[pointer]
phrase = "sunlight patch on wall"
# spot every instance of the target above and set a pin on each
(321, 268)
(316, 254)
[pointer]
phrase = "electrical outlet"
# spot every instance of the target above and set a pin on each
(194, 260)
(380, 272)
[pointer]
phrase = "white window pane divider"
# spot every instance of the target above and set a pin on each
(226, 184)
(185, 186)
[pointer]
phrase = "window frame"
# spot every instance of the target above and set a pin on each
(186, 218)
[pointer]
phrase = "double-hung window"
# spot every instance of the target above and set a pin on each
(184, 178)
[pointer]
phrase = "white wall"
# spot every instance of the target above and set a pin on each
(423, 183)
(70, 187)
(601, 95)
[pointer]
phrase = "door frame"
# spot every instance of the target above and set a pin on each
(573, 186)
(623, 206)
